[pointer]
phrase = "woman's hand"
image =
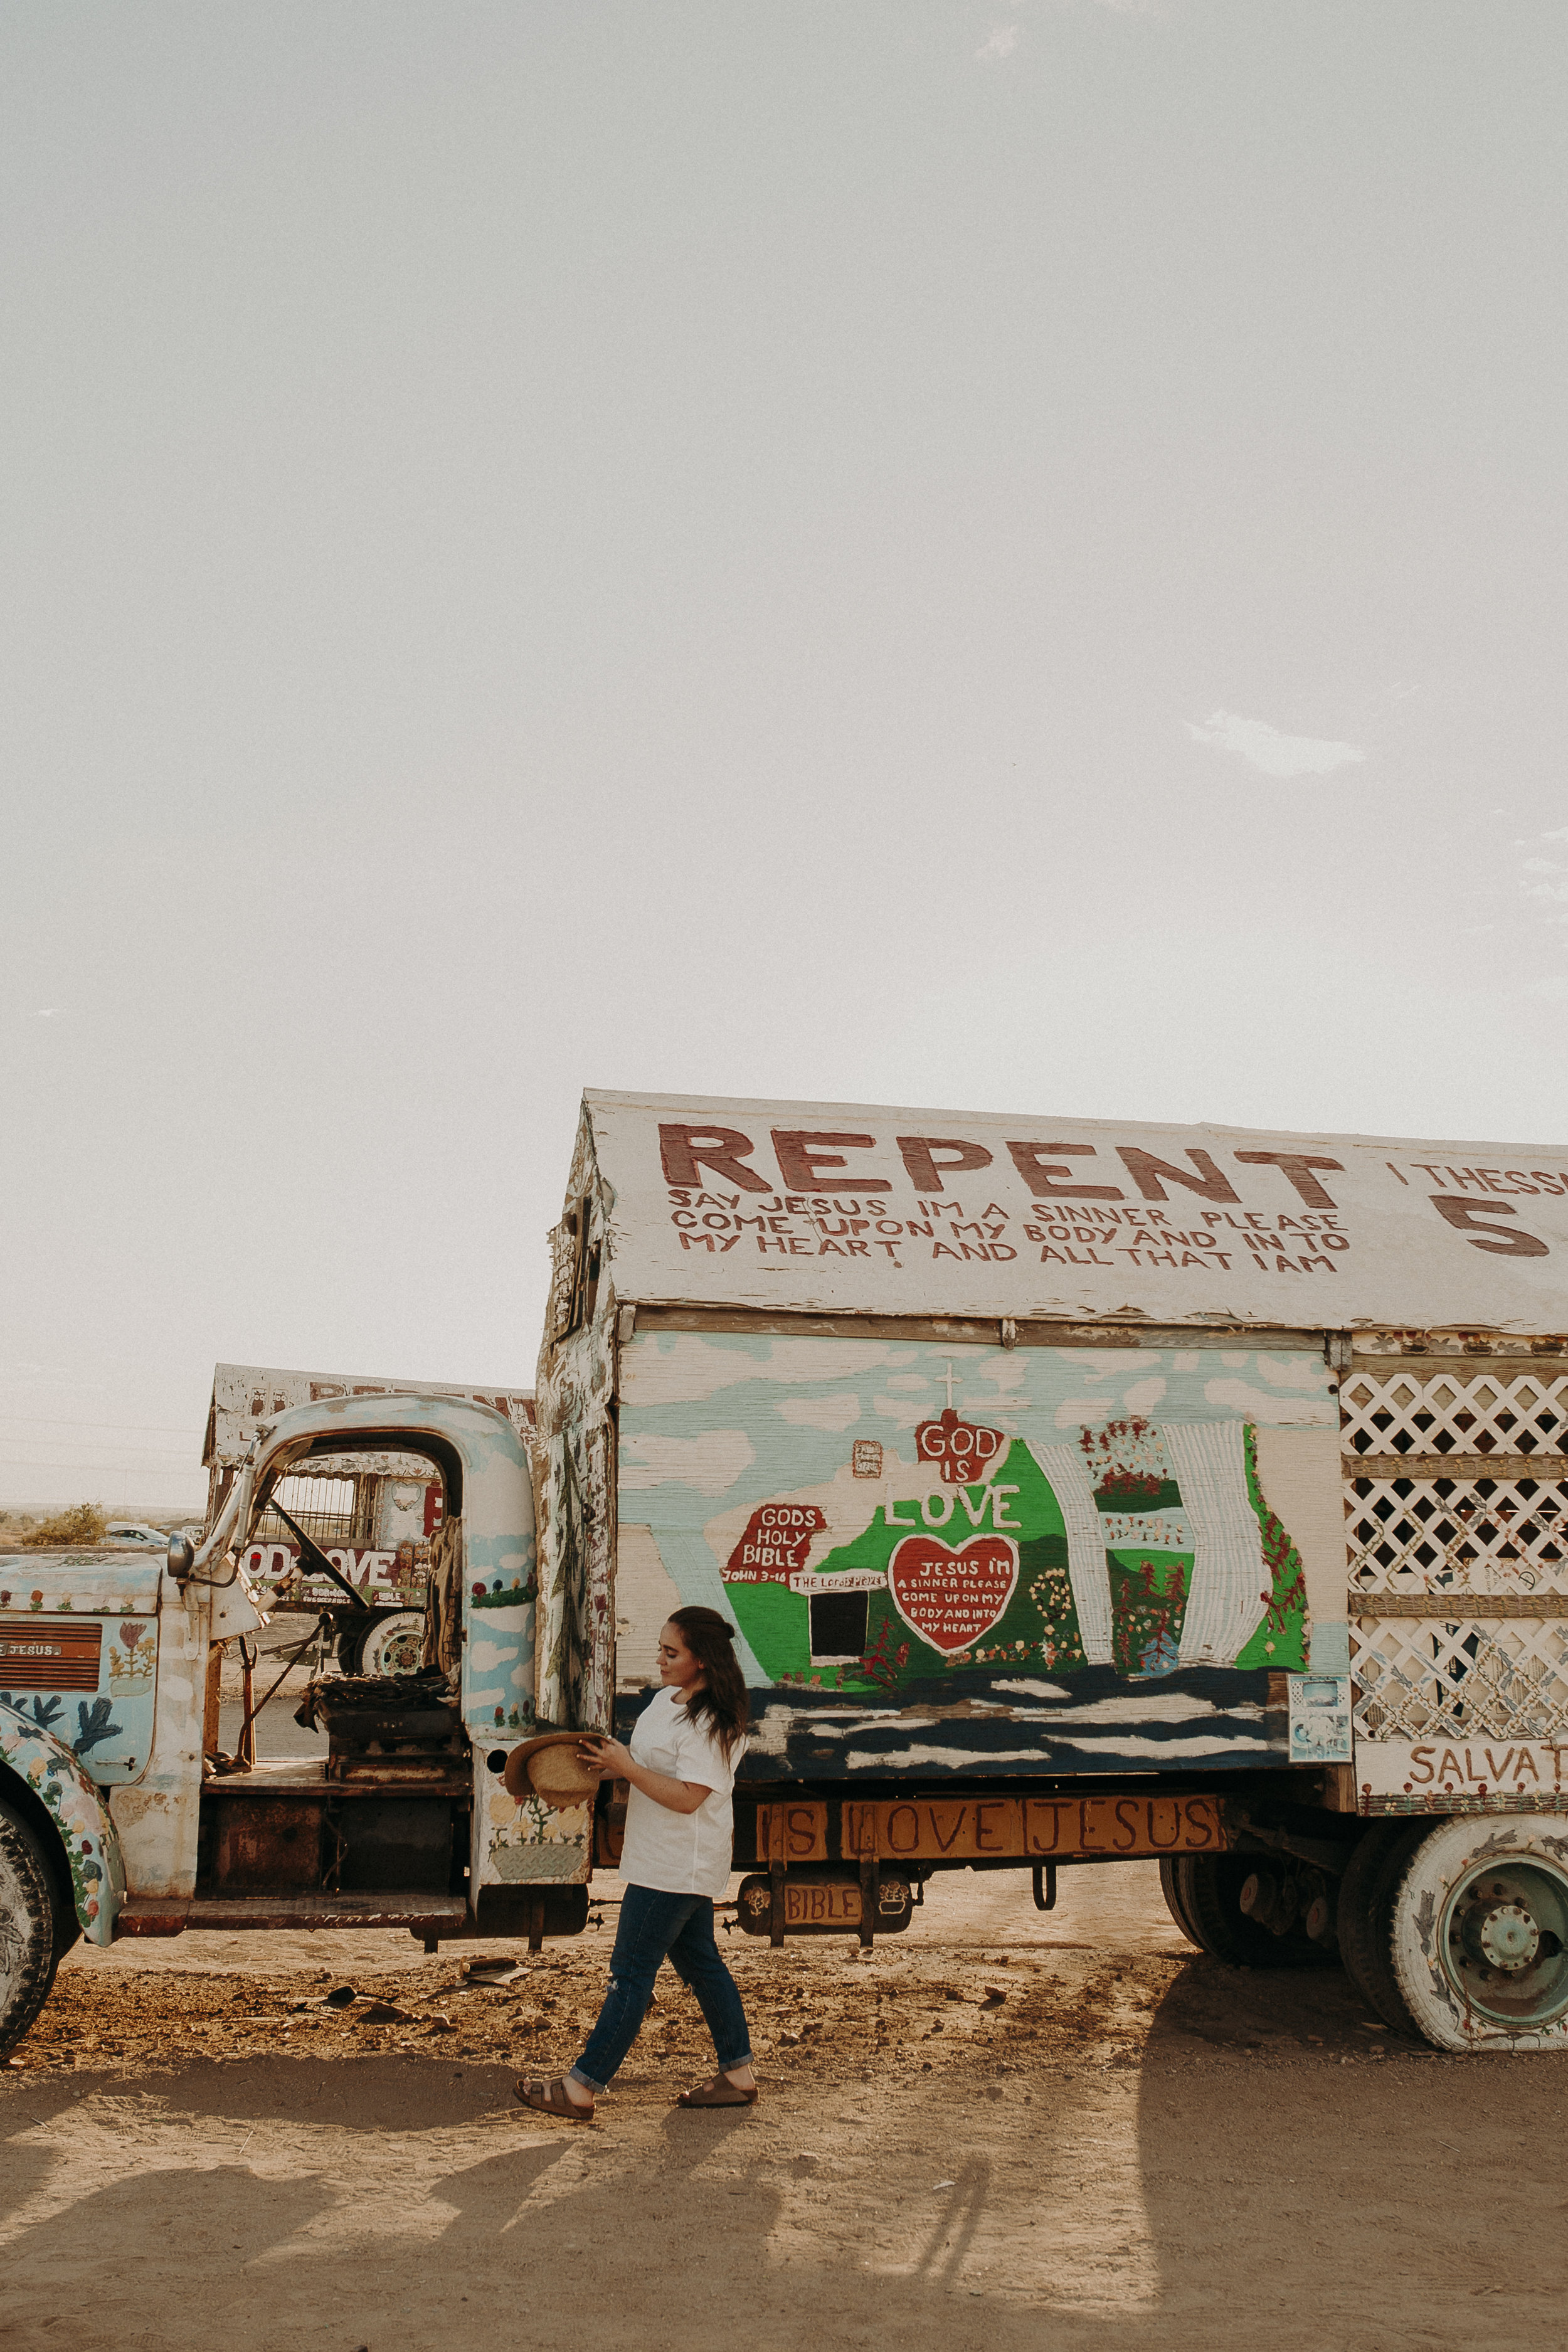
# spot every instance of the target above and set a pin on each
(608, 1758)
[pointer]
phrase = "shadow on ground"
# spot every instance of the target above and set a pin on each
(1248, 2171)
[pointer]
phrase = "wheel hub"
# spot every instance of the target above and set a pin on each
(1500, 1939)
(1501, 1936)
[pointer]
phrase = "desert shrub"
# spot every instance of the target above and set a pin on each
(84, 1523)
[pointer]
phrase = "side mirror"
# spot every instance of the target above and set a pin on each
(182, 1557)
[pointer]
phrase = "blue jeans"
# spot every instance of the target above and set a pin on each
(654, 1927)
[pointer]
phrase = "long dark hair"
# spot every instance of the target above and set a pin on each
(710, 1639)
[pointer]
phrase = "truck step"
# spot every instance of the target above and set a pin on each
(395, 1907)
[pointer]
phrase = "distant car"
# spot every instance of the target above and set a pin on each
(136, 1531)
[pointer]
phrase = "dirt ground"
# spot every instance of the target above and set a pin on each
(1004, 2130)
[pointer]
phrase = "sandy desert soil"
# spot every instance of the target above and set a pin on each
(1002, 2130)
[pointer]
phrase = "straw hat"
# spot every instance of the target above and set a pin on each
(551, 1768)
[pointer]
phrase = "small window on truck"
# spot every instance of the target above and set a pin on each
(326, 1508)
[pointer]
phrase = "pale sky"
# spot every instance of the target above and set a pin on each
(891, 550)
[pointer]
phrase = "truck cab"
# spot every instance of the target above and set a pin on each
(119, 1815)
(372, 1515)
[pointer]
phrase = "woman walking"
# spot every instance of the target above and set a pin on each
(681, 1764)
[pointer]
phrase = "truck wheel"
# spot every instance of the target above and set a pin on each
(1363, 1917)
(30, 1929)
(350, 1640)
(1477, 1933)
(394, 1644)
(1170, 1886)
(1203, 1893)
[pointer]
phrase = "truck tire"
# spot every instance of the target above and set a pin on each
(1204, 1894)
(392, 1642)
(350, 1642)
(1170, 1886)
(1477, 1932)
(1362, 1919)
(31, 1937)
(393, 1645)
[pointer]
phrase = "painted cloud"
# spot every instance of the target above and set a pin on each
(711, 1463)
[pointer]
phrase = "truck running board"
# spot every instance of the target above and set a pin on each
(421, 1913)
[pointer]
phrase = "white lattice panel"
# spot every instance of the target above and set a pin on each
(1467, 1411)
(1453, 1536)
(1426, 1679)
(1454, 1544)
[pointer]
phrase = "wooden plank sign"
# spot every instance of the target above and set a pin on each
(1436, 1774)
(1060, 1829)
(983, 1829)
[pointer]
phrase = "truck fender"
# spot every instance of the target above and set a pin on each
(40, 1771)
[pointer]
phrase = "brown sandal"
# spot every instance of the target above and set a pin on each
(720, 2093)
(550, 2097)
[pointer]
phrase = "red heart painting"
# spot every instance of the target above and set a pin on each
(952, 1598)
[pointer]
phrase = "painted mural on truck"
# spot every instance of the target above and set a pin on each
(897, 1524)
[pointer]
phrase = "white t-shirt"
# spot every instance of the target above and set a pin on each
(679, 1853)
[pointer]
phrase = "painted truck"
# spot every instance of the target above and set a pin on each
(375, 1514)
(1081, 1493)
(120, 1817)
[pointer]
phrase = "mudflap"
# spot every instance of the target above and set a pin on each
(531, 1911)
